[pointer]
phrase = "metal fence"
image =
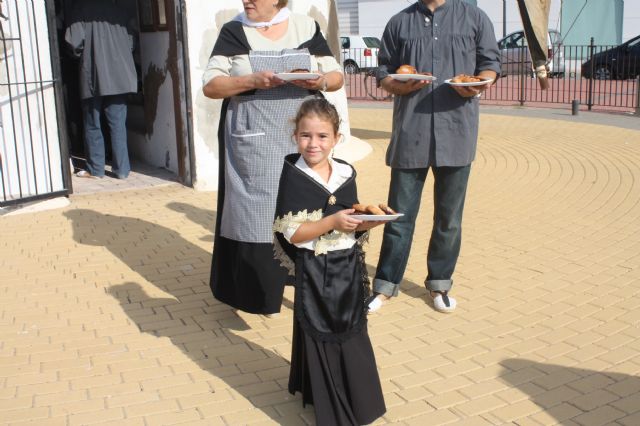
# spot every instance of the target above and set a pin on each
(600, 77)
(33, 161)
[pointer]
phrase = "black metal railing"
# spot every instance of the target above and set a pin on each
(597, 76)
(33, 161)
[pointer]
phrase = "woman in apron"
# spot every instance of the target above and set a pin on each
(254, 136)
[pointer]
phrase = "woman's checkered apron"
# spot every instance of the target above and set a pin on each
(258, 134)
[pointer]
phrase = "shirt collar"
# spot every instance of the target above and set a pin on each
(424, 9)
(340, 172)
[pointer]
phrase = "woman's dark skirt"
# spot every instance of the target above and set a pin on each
(340, 379)
(247, 277)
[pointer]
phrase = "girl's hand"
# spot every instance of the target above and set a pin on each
(266, 80)
(344, 222)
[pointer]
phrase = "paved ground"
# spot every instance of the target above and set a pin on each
(106, 316)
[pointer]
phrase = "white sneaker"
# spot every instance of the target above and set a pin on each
(376, 301)
(442, 302)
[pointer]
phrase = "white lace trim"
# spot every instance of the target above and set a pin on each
(324, 243)
(285, 261)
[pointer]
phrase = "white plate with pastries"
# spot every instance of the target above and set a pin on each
(470, 83)
(290, 76)
(407, 77)
(377, 217)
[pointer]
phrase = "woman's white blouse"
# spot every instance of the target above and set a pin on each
(300, 29)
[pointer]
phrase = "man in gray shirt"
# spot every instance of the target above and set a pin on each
(98, 35)
(435, 125)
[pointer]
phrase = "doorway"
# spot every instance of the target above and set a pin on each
(157, 141)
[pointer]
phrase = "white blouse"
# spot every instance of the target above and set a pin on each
(340, 173)
(300, 29)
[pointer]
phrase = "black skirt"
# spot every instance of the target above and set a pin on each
(340, 379)
(247, 277)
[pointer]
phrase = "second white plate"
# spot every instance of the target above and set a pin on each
(474, 83)
(378, 217)
(288, 76)
(407, 77)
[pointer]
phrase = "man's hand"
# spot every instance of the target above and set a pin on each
(471, 91)
(401, 88)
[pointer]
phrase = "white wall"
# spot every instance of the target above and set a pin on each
(205, 18)
(29, 143)
(153, 135)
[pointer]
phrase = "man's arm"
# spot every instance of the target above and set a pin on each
(487, 58)
(74, 37)
(389, 61)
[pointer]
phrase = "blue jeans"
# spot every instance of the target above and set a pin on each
(115, 110)
(405, 192)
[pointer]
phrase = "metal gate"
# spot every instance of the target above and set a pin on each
(33, 148)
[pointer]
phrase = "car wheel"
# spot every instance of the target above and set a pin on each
(350, 67)
(602, 72)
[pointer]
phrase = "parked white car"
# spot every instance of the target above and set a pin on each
(359, 53)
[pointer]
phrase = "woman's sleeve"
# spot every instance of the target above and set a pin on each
(217, 66)
(328, 64)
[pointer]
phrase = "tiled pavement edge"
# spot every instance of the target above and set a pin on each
(106, 316)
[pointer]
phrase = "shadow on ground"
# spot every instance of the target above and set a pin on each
(568, 394)
(191, 318)
(367, 134)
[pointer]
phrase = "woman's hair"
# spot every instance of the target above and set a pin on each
(282, 3)
(322, 109)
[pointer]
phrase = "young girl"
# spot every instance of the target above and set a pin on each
(332, 360)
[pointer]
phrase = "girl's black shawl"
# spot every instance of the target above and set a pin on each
(331, 287)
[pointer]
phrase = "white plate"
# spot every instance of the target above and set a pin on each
(377, 217)
(407, 77)
(474, 83)
(288, 76)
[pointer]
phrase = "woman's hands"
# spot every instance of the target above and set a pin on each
(319, 83)
(266, 80)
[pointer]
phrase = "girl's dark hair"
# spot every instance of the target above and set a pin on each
(321, 108)
(281, 3)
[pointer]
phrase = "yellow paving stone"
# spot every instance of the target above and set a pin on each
(122, 422)
(446, 399)
(25, 414)
(178, 417)
(409, 410)
(602, 415)
(83, 371)
(15, 403)
(480, 405)
(224, 407)
(112, 414)
(631, 420)
(516, 411)
(151, 407)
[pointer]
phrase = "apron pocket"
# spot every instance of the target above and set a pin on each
(246, 151)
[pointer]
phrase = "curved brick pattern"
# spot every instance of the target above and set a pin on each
(106, 315)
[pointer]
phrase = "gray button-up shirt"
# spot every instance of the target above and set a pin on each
(98, 35)
(435, 126)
